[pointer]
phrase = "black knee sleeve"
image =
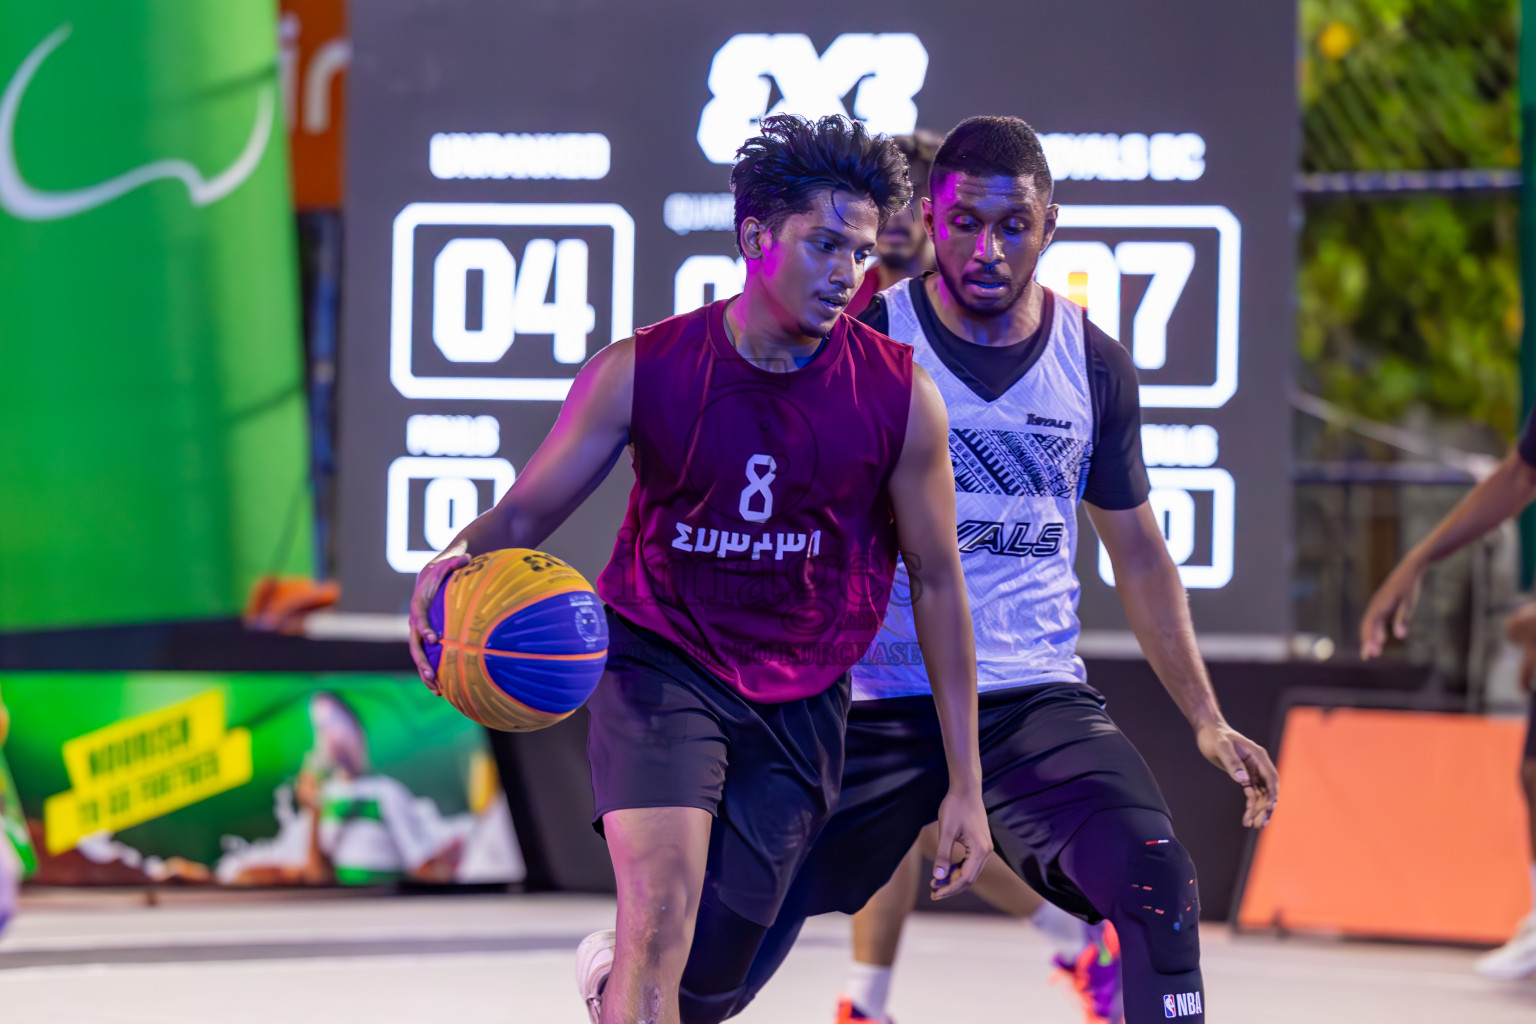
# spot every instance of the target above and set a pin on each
(709, 1009)
(1160, 894)
(714, 982)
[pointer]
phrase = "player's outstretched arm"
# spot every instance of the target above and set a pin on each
(1505, 491)
(1158, 610)
(581, 449)
(923, 495)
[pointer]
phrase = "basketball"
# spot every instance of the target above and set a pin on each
(524, 639)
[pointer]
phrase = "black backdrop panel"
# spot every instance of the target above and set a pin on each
(529, 181)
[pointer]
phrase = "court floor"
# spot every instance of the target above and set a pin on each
(112, 959)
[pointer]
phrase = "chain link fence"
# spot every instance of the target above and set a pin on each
(1408, 315)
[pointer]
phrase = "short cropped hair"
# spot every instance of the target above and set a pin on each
(779, 172)
(989, 146)
(919, 148)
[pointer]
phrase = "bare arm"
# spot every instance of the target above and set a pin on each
(581, 449)
(923, 495)
(1506, 491)
(1156, 606)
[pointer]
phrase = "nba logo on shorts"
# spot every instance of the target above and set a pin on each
(1183, 1004)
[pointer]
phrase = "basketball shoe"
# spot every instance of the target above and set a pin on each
(847, 1013)
(1516, 958)
(1095, 976)
(594, 962)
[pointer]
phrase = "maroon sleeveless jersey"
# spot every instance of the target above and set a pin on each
(759, 536)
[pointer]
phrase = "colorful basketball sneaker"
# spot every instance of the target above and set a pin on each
(1095, 976)
(594, 962)
(847, 1013)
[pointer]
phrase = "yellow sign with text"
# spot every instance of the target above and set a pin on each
(147, 766)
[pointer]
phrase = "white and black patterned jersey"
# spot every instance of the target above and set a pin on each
(1035, 428)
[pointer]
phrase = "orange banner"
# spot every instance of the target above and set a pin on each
(1394, 824)
(315, 52)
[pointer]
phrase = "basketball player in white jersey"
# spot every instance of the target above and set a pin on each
(1043, 415)
(1086, 955)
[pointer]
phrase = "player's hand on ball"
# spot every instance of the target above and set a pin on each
(1247, 764)
(1392, 604)
(431, 577)
(962, 822)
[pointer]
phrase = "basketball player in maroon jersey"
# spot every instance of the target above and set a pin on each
(782, 452)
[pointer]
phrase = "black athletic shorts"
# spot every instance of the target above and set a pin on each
(1050, 758)
(667, 733)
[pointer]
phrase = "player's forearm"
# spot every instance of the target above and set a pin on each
(1158, 610)
(1506, 491)
(505, 526)
(542, 499)
(581, 450)
(942, 615)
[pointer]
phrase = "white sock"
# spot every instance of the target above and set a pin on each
(1067, 933)
(869, 986)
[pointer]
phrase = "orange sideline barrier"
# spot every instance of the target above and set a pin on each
(1397, 824)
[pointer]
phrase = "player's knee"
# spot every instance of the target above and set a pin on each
(1161, 897)
(655, 907)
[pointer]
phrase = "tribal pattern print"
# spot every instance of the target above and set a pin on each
(1012, 462)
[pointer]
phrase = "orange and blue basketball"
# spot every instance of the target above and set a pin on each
(524, 639)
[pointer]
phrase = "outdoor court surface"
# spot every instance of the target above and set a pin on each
(110, 959)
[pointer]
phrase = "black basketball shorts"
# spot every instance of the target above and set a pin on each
(667, 733)
(1050, 758)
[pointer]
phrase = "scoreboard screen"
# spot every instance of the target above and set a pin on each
(530, 182)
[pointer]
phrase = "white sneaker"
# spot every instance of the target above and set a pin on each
(1516, 958)
(594, 962)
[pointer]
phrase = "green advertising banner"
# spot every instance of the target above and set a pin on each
(249, 779)
(151, 396)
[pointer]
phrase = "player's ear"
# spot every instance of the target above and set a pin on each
(927, 215)
(753, 236)
(1050, 225)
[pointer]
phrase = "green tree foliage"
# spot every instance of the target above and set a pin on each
(1411, 302)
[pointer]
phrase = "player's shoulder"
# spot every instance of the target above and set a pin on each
(1105, 355)
(877, 343)
(876, 314)
(676, 327)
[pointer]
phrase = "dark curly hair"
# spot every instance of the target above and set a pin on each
(778, 172)
(988, 146)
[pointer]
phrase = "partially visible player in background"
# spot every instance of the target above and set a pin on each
(902, 249)
(1517, 957)
(13, 832)
(1510, 488)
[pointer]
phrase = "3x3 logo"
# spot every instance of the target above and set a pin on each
(887, 69)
